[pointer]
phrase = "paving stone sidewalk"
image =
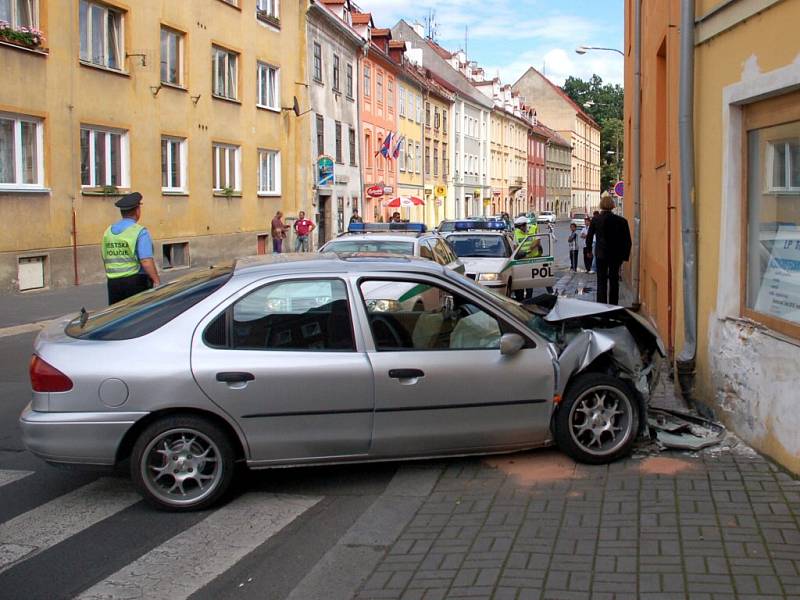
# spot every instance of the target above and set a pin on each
(722, 524)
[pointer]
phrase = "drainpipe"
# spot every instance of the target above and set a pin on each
(685, 362)
(635, 181)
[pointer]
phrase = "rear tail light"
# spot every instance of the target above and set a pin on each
(46, 378)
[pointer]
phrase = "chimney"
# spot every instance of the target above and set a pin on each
(419, 29)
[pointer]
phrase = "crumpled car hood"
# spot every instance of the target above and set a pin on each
(581, 332)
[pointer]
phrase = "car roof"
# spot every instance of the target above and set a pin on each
(382, 236)
(329, 262)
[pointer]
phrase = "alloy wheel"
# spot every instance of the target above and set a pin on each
(181, 466)
(600, 420)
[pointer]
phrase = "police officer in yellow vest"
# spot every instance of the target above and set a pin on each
(532, 247)
(128, 252)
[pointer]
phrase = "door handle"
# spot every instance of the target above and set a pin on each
(405, 373)
(235, 377)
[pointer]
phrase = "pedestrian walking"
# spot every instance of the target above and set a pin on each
(572, 240)
(354, 218)
(279, 229)
(127, 252)
(613, 248)
(302, 228)
(587, 248)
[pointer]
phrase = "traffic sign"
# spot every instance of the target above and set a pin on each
(619, 188)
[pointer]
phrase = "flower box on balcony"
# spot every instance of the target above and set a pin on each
(25, 37)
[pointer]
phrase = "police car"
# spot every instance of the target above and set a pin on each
(492, 260)
(404, 239)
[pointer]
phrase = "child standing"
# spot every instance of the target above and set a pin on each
(573, 247)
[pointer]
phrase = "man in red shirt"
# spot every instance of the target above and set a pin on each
(302, 228)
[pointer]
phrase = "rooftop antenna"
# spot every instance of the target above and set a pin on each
(466, 42)
(430, 25)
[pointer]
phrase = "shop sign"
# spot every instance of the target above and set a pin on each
(387, 189)
(441, 191)
(375, 191)
(324, 171)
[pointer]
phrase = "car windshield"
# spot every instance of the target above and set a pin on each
(579, 216)
(388, 246)
(145, 312)
(479, 246)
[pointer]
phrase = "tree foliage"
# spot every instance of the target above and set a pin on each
(604, 103)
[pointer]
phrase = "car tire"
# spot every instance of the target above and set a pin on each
(183, 463)
(598, 419)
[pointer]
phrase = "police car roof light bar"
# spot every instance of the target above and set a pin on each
(384, 227)
(484, 225)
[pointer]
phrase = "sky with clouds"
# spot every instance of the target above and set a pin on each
(508, 36)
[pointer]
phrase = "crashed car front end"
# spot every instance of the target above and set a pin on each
(600, 337)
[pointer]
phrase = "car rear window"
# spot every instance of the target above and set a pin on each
(144, 313)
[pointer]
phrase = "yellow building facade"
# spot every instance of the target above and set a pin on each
(183, 102)
(509, 162)
(438, 200)
(410, 123)
(746, 200)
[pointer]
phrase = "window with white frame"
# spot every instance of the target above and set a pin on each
(418, 102)
(226, 163)
(379, 86)
(268, 9)
(268, 86)
(367, 82)
(20, 13)
(171, 56)
(419, 157)
(409, 152)
(21, 152)
(352, 147)
(173, 164)
(783, 165)
(104, 157)
(102, 41)
(401, 99)
(269, 172)
(225, 66)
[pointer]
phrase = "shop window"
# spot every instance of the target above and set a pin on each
(771, 254)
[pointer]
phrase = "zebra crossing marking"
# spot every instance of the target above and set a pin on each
(45, 526)
(190, 560)
(9, 476)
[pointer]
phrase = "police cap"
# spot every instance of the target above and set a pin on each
(129, 201)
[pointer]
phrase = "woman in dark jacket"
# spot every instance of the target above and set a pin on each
(613, 248)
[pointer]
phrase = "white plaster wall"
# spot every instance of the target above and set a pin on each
(755, 371)
(335, 107)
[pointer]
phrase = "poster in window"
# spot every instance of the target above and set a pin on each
(779, 294)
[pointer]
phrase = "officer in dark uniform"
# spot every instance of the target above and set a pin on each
(128, 252)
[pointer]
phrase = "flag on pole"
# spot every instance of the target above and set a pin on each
(384, 150)
(396, 151)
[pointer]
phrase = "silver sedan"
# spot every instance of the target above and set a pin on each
(308, 359)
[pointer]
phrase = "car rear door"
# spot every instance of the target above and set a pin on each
(282, 358)
(441, 383)
(530, 269)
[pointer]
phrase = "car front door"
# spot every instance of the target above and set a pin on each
(532, 262)
(282, 360)
(441, 382)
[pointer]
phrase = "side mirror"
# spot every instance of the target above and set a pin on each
(511, 343)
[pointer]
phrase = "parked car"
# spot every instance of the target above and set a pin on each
(280, 360)
(491, 258)
(546, 216)
(579, 219)
(406, 239)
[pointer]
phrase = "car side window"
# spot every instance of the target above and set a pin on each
(309, 315)
(425, 250)
(407, 315)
